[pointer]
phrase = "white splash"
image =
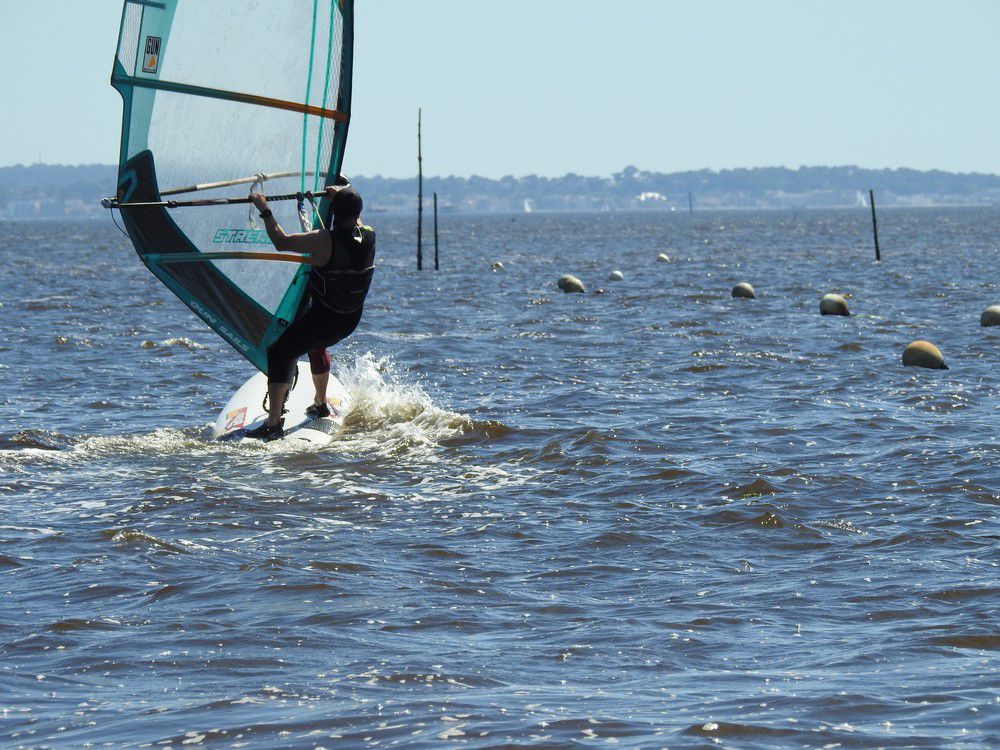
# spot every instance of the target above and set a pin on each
(388, 412)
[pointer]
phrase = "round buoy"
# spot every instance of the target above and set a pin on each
(498, 266)
(663, 258)
(743, 290)
(990, 316)
(924, 354)
(616, 276)
(833, 304)
(569, 283)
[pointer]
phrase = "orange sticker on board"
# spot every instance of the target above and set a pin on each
(236, 419)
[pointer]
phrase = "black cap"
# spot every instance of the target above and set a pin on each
(346, 203)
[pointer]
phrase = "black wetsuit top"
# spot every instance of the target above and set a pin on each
(343, 283)
(338, 292)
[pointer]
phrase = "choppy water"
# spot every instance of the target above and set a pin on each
(657, 517)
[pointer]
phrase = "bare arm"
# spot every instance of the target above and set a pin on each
(316, 244)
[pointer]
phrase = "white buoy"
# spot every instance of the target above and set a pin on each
(833, 304)
(616, 276)
(744, 290)
(924, 354)
(498, 266)
(990, 316)
(663, 258)
(570, 283)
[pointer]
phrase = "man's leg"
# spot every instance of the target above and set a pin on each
(272, 427)
(321, 381)
(276, 393)
(319, 365)
(302, 337)
(338, 327)
(298, 339)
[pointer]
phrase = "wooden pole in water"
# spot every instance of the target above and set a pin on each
(871, 196)
(436, 266)
(690, 204)
(420, 195)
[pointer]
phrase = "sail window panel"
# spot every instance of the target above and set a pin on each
(128, 41)
(242, 47)
(209, 148)
(222, 91)
(221, 140)
(319, 142)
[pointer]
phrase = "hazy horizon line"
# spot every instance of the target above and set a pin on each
(578, 174)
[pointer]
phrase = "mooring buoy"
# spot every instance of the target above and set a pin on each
(833, 304)
(570, 283)
(924, 354)
(990, 316)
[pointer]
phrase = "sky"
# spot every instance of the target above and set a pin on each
(557, 86)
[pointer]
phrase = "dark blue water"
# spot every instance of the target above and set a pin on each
(655, 517)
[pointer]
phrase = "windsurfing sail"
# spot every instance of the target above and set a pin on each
(219, 98)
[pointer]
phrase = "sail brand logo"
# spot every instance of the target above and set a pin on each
(241, 236)
(217, 324)
(151, 57)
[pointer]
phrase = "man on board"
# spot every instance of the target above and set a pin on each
(342, 260)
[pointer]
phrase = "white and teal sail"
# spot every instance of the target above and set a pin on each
(217, 95)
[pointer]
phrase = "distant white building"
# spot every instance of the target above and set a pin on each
(652, 198)
(44, 208)
(23, 210)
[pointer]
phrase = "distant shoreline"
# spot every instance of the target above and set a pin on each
(105, 216)
(43, 191)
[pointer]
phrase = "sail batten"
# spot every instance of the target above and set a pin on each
(212, 257)
(212, 102)
(235, 96)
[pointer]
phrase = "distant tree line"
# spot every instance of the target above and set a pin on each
(57, 182)
(632, 188)
(762, 187)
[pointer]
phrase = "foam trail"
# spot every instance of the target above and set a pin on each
(388, 415)
(390, 412)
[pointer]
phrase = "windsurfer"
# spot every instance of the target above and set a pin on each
(342, 260)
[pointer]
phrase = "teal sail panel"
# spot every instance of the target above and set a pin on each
(214, 95)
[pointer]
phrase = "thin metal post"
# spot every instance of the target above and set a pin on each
(871, 196)
(420, 195)
(436, 266)
(690, 204)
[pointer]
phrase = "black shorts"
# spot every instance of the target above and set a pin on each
(319, 328)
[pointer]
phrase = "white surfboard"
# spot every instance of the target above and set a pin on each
(245, 410)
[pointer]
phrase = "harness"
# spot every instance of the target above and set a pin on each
(343, 283)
